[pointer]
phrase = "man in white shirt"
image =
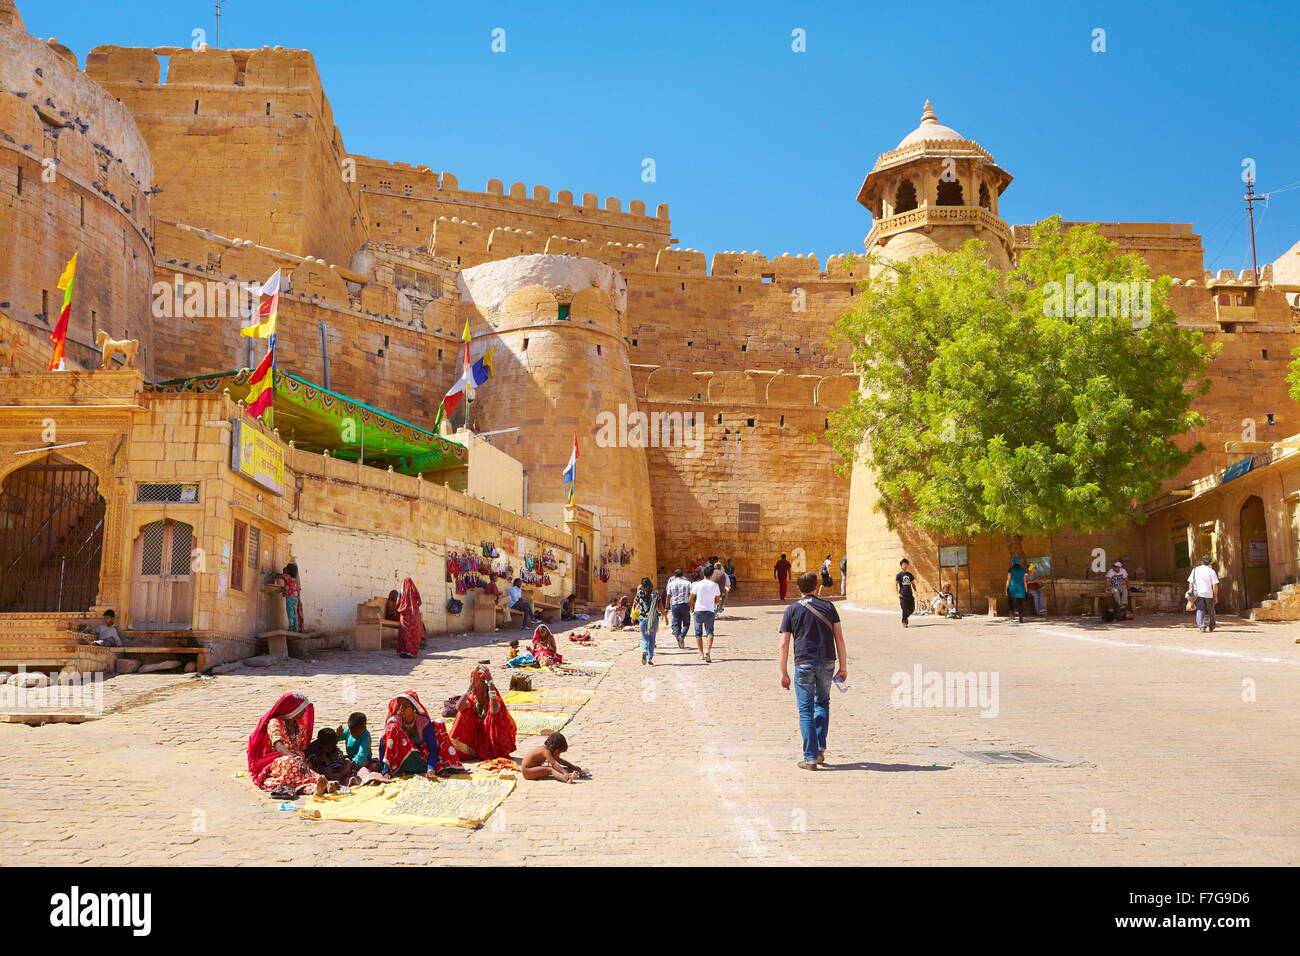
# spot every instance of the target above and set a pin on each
(1204, 585)
(515, 601)
(705, 596)
(1117, 582)
(679, 605)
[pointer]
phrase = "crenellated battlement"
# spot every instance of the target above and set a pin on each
(454, 237)
(413, 181)
(207, 67)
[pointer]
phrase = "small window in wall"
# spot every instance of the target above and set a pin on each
(783, 421)
(985, 200)
(254, 549)
(1182, 553)
(196, 107)
(598, 349)
(20, 180)
(563, 312)
(747, 516)
(179, 493)
(268, 109)
(634, 346)
(83, 211)
(744, 346)
(525, 348)
(1263, 353)
(237, 548)
(689, 343)
(749, 422)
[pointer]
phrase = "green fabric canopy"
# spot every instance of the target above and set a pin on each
(316, 419)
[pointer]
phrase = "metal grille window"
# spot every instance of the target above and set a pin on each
(254, 547)
(182, 546)
(184, 493)
(237, 555)
(151, 547)
(747, 516)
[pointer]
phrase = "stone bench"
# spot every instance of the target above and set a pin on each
(277, 642)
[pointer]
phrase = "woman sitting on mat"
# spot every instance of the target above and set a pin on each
(484, 728)
(544, 648)
(412, 742)
(277, 748)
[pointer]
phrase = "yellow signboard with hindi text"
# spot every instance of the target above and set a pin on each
(256, 456)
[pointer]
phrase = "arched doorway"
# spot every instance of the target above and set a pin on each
(51, 537)
(582, 575)
(162, 589)
(1256, 576)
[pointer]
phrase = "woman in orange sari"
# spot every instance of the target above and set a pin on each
(410, 627)
(484, 728)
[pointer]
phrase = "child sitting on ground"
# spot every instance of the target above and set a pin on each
(545, 761)
(356, 741)
(325, 758)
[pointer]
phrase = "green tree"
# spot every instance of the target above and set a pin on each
(989, 404)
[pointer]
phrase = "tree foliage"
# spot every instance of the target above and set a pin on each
(985, 409)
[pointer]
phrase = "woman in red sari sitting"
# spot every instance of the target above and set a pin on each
(484, 728)
(277, 748)
(544, 648)
(412, 742)
(410, 627)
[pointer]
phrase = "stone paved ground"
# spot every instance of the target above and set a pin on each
(694, 763)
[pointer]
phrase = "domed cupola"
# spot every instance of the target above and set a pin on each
(932, 192)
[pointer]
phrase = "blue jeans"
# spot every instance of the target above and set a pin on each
(704, 622)
(812, 692)
(649, 627)
(1205, 612)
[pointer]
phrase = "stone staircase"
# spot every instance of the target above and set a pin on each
(47, 641)
(1282, 605)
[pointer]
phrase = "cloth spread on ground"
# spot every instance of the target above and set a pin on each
(530, 722)
(497, 764)
(523, 660)
(550, 697)
(466, 800)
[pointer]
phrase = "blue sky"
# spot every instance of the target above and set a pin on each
(759, 147)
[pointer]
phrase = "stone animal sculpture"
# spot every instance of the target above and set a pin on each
(110, 347)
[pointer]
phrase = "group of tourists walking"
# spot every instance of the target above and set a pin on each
(700, 597)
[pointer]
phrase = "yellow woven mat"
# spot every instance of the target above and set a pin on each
(463, 800)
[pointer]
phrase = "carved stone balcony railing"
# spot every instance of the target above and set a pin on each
(926, 217)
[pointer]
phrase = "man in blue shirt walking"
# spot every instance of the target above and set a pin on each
(814, 626)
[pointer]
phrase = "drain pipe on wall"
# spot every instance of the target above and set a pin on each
(324, 354)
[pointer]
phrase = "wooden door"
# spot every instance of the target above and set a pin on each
(163, 591)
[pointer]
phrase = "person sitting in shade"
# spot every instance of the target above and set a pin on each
(107, 634)
(515, 601)
(945, 602)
